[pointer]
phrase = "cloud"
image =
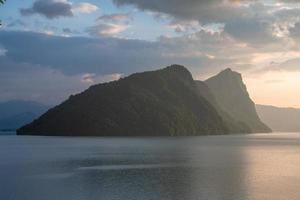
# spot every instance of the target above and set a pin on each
(68, 32)
(2, 51)
(295, 32)
(52, 9)
(76, 55)
(109, 25)
(185, 26)
(16, 23)
(49, 8)
(201, 10)
(88, 78)
(49, 85)
(84, 8)
(105, 29)
(91, 78)
(253, 30)
(66, 65)
(290, 65)
(114, 18)
(252, 22)
(83, 61)
(201, 51)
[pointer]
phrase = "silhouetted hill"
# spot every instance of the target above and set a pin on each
(165, 102)
(232, 98)
(280, 119)
(158, 103)
(17, 113)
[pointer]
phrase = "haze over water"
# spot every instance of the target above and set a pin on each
(258, 166)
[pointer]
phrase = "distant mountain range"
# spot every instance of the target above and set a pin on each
(166, 102)
(17, 113)
(280, 119)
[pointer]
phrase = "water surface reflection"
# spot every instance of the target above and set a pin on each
(260, 166)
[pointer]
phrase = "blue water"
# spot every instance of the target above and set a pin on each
(237, 167)
(7, 133)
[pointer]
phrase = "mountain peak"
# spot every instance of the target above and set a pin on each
(176, 67)
(172, 71)
(229, 71)
(228, 75)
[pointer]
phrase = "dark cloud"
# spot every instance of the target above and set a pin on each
(74, 55)
(115, 18)
(295, 31)
(254, 22)
(253, 30)
(202, 10)
(69, 31)
(49, 8)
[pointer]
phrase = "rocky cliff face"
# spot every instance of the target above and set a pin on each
(233, 125)
(232, 97)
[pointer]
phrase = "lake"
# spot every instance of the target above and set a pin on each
(235, 167)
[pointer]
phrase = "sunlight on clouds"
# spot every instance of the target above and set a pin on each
(109, 25)
(84, 8)
(106, 29)
(88, 78)
(257, 38)
(91, 78)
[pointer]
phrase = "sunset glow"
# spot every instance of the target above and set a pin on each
(71, 39)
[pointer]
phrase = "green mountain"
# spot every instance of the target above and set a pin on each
(165, 102)
(280, 119)
(233, 100)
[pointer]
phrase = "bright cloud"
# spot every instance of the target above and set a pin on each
(84, 8)
(109, 25)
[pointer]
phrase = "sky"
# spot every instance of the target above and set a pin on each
(50, 49)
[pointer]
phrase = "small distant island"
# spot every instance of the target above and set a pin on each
(165, 102)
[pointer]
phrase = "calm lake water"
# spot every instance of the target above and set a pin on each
(259, 166)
